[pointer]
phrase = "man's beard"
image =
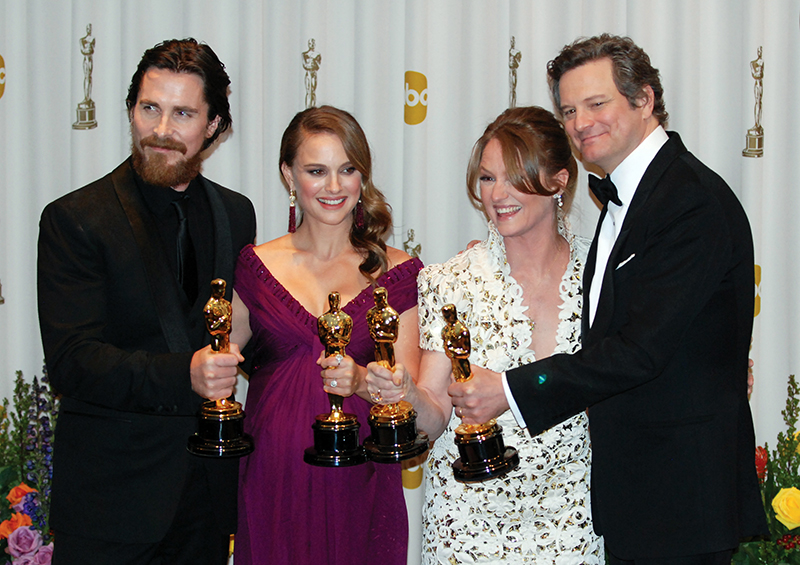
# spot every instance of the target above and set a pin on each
(154, 168)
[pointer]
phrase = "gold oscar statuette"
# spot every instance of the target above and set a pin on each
(336, 433)
(220, 424)
(394, 436)
(483, 453)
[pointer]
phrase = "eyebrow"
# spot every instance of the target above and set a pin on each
(189, 109)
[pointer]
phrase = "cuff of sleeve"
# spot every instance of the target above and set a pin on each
(511, 402)
(174, 369)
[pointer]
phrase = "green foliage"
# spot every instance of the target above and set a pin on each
(13, 425)
(781, 471)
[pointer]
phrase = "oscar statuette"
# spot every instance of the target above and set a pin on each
(335, 434)
(394, 435)
(483, 452)
(220, 424)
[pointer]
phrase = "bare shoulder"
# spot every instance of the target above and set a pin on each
(275, 250)
(396, 256)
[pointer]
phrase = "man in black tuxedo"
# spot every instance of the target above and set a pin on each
(124, 269)
(667, 318)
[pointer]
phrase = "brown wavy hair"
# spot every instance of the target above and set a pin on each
(533, 142)
(371, 240)
(632, 70)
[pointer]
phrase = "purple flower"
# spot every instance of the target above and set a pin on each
(44, 556)
(29, 502)
(23, 541)
(26, 559)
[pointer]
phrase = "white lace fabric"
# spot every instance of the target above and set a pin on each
(540, 512)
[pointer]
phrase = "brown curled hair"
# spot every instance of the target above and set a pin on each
(371, 240)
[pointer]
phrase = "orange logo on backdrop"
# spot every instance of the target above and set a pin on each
(2, 76)
(757, 309)
(416, 98)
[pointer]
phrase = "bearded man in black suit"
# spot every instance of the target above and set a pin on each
(124, 268)
(667, 319)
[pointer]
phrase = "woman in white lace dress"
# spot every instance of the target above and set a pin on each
(519, 292)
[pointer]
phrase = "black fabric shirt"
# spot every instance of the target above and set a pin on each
(201, 227)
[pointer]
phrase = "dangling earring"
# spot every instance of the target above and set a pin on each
(292, 217)
(359, 221)
(560, 217)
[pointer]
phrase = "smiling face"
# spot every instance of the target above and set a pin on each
(169, 124)
(599, 119)
(515, 213)
(328, 185)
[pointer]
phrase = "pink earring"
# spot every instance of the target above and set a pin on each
(292, 217)
(359, 221)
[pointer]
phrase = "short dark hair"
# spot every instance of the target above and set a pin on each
(533, 143)
(632, 70)
(189, 56)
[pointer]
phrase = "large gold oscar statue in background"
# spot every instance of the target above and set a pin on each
(483, 452)
(335, 434)
(220, 425)
(394, 435)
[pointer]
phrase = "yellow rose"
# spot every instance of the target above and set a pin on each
(786, 505)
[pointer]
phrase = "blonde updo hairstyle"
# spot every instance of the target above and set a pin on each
(371, 240)
(533, 143)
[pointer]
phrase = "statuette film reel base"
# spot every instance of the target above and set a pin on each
(220, 424)
(336, 442)
(483, 452)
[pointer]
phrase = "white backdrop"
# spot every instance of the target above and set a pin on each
(702, 47)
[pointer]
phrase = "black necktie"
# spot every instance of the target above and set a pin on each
(186, 260)
(604, 190)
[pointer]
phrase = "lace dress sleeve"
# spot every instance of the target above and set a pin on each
(430, 305)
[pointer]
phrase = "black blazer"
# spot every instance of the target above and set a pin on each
(118, 337)
(663, 370)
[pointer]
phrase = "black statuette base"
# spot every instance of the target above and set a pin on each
(220, 432)
(483, 456)
(335, 443)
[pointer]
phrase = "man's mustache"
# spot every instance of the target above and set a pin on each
(163, 143)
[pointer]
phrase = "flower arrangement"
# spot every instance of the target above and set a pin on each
(778, 475)
(26, 472)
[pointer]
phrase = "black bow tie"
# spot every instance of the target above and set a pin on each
(604, 190)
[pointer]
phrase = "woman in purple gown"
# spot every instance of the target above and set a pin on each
(289, 511)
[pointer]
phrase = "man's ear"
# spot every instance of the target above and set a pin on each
(646, 100)
(212, 126)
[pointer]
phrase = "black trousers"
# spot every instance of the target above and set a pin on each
(718, 558)
(194, 538)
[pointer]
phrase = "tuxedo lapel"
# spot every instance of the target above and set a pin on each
(670, 151)
(224, 260)
(588, 274)
(169, 301)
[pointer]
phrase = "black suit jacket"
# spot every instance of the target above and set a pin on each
(663, 370)
(118, 336)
